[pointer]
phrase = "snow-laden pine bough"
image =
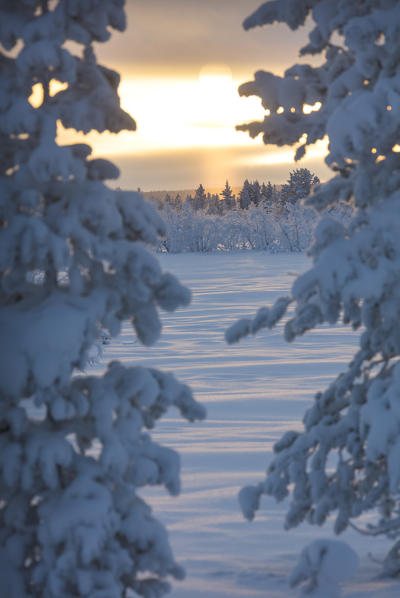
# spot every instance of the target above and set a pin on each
(347, 458)
(72, 522)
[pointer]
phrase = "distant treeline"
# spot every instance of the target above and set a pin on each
(260, 216)
(271, 197)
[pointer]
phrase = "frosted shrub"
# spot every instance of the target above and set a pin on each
(74, 449)
(190, 230)
(355, 422)
(322, 566)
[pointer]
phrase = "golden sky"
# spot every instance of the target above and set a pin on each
(181, 62)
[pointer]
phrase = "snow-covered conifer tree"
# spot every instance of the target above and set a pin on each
(245, 195)
(255, 192)
(177, 202)
(228, 198)
(298, 186)
(354, 425)
(214, 204)
(270, 197)
(73, 447)
(200, 198)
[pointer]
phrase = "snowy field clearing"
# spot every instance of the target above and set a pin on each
(253, 391)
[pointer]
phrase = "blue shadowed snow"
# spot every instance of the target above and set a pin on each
(254, 391)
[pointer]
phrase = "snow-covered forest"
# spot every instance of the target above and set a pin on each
(262, 217)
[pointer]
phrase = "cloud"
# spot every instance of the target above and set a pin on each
(183, 35)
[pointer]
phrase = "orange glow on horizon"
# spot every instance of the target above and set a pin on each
(286, 156)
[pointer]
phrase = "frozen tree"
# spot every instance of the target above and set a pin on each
(266, 190)
(298, 186)
(259, 230)
(189, 202)
(228, 198)
(200, 198)
(75, 448)
(255, 193)
(250, 194)
(296, 224)
(214, 204)
(345, 461)
(177, 202)
(270, 198)
(173, 202)
(245, 196)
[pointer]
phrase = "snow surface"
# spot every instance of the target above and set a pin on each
(254, 391)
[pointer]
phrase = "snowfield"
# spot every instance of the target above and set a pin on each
(253, 392)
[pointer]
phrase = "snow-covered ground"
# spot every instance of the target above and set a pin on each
(253, 392)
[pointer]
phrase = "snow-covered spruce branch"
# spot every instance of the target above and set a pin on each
(379, 530)
(355, 423)
(265, 318)
(73, 260)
